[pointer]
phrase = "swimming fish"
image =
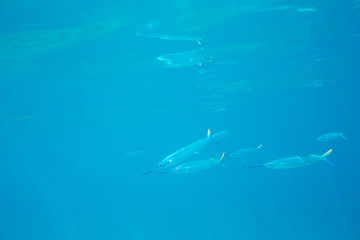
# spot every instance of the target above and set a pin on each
(331, 136)
(147, 30)
(198, 40)
(195, 166)
(287, 7)
(293, 162)
(183, 154)
(197, 57)
(245, 151)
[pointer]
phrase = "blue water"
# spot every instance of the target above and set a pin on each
(86, 107)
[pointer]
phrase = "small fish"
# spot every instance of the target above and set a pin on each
(197, 57)
(245, 151)
(196, 166)
(287, 7)
(293, 162)
(184, 153)
(198, 40)
(332, 136)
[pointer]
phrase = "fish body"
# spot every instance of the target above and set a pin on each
(184, 153)
(217, 137)
(245, 151)
(196, 166)
(331, 137)
(294, 162)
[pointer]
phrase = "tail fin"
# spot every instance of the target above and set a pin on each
(208, 133)
(343, 136)
(222, 157)
(222, 160)
(260, 146)
(326, 160)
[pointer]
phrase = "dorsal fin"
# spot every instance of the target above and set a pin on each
(222, 157)
(327, 153)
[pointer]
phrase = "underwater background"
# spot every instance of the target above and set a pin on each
(95, 93)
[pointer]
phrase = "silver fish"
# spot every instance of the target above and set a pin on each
(331, 136)
(198, 40)
(196, 166)
(197, 57)
(245, 151)
(294, 162)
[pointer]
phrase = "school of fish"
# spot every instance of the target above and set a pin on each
(181, 162)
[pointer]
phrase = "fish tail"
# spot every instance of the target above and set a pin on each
(222, 157)
(208, 133)
(327, 160)
(343, 136)
(222, 160)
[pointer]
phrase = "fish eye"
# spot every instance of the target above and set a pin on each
(177, 169)
(270, 164)
(160, 165)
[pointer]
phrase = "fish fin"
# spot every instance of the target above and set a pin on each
(260, 146)
(224, 166)
(222, 161)
(255, 166)
(343, 136)
(327, 153)
(222, 157)
(208, 133)
(327, 160)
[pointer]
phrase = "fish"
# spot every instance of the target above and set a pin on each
(196, 166)
(294, 162)
(185, 153)
(245, 151)
(198, 40)
(147, 30)
(197, 57)
(332, 136)
(287, 7)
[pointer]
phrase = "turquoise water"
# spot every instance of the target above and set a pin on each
(95, 93)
